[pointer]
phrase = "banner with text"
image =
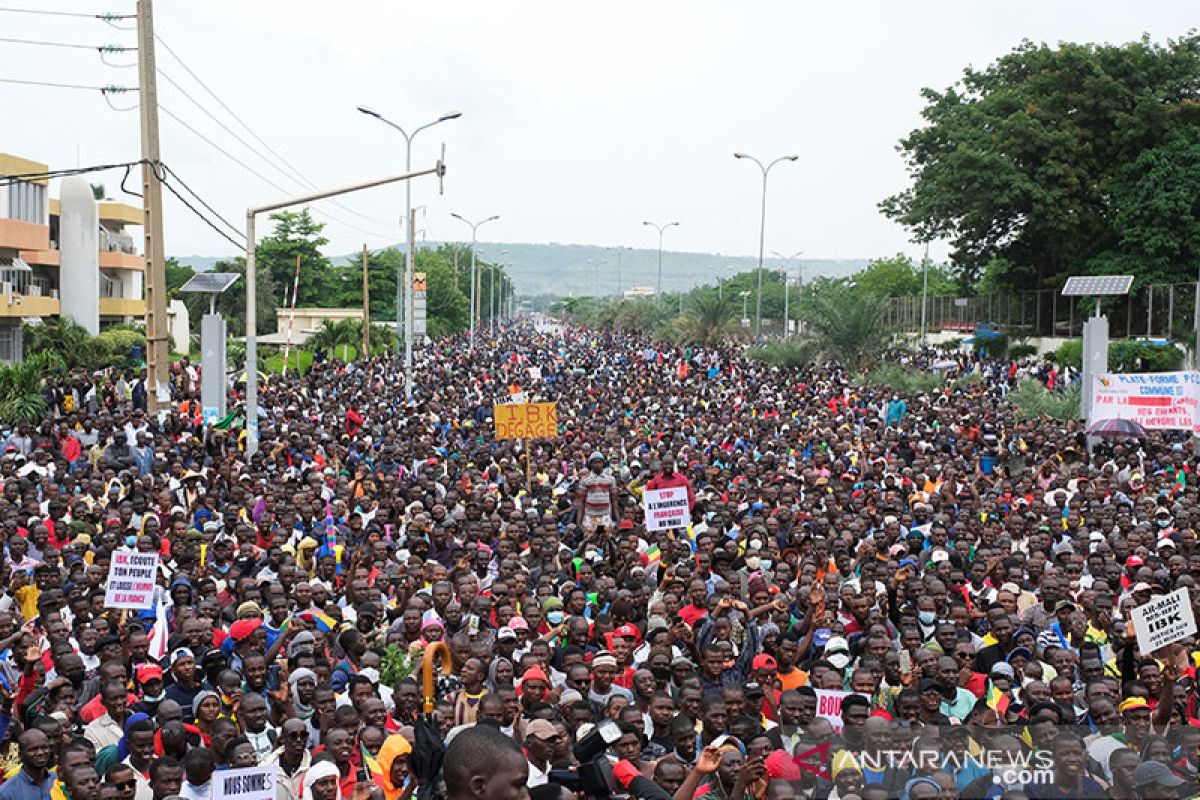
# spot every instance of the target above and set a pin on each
(131, 578)
(1164, 620)
(1168, 400)
(251, 783)
(829, 706)
(525, 420)
(666, 508)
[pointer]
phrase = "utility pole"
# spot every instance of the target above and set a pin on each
(366, 308)
(157, 359)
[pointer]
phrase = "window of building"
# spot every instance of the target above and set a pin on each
(27, 202)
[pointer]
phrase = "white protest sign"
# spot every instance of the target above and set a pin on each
(1166, 400)
(251, 783)
(131, 578)
(1164, 620)
(666, 508)
(829, 706)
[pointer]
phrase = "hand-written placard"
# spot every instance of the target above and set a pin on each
(1164, 620)
(251, 783)
(525, 420)
(131, 579)
(666, 508)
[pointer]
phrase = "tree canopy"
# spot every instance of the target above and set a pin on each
(1046, 164)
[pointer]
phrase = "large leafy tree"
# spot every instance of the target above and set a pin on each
(900, 276)
(1026, 164)
(298, 235)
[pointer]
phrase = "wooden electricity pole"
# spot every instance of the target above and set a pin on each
(157, 359)
(366, 353)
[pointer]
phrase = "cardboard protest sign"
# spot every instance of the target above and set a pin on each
(666, 508)
(131, 579)
(525, 420)
(1164, 620)
(251, 783)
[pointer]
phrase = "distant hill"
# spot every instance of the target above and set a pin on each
(581, 269)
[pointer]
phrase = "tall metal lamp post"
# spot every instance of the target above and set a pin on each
(762, 232)
(404, 288)
(474, 275)
(660, 229)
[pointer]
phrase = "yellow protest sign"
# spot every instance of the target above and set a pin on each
(525, 420)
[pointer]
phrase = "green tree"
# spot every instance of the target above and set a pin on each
(900, 276)
(22, 400)
(1023, 164)
(298, 235)
(709, 320)
(846, 327)
(336, 338)
(232, 303)
(177, 275)
(63, 338)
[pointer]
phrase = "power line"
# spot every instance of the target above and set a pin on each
(296, 174)
(206, 220)
(103, 48)
(104, 89)
(6, 180)
(201, 200)
(258, 174)
(106, 17)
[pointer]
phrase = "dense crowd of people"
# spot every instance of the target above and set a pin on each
(878, 594)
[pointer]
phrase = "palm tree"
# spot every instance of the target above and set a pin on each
(709, 321)
(64, 337)
(343, 334)
(847, 327)
(22, 399)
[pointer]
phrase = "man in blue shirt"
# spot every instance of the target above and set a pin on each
(34, 780)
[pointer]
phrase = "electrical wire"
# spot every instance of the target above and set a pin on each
(103, 48)
(106, 17)
(52, 85)
(296, 174)
(240, 246)
(6, 180)
(200, 199)
(259, 175)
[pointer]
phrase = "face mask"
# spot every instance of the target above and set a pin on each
(130, 541)
(926, 617)
(755, 544)
(555, 617)
(765, 563)
(154, 698)
(752, 562)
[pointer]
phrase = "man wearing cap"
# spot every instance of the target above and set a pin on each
(1135, 727)
(540, 737)
(595, 494)
(1154, 780)
(183, 687)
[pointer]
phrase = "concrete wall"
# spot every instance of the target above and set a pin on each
(179, 326)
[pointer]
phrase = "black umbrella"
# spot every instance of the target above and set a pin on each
(427, 756)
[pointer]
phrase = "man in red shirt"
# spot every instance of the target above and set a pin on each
(670, 479)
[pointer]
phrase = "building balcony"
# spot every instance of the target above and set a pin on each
(18, 235)
(122, 307)
(27, 305)
(110, 259)
(45, 258)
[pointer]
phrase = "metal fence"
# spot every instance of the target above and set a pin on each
(1159, 311)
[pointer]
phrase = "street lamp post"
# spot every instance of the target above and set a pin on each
(745, 293)
(660, 229)
(787, 260)
(404, 288)
(252, 285)
(762, 232)
(474, 275)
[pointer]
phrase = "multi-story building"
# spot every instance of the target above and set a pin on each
(70, 256)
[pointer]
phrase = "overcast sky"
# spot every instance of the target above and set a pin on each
(579, 120)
